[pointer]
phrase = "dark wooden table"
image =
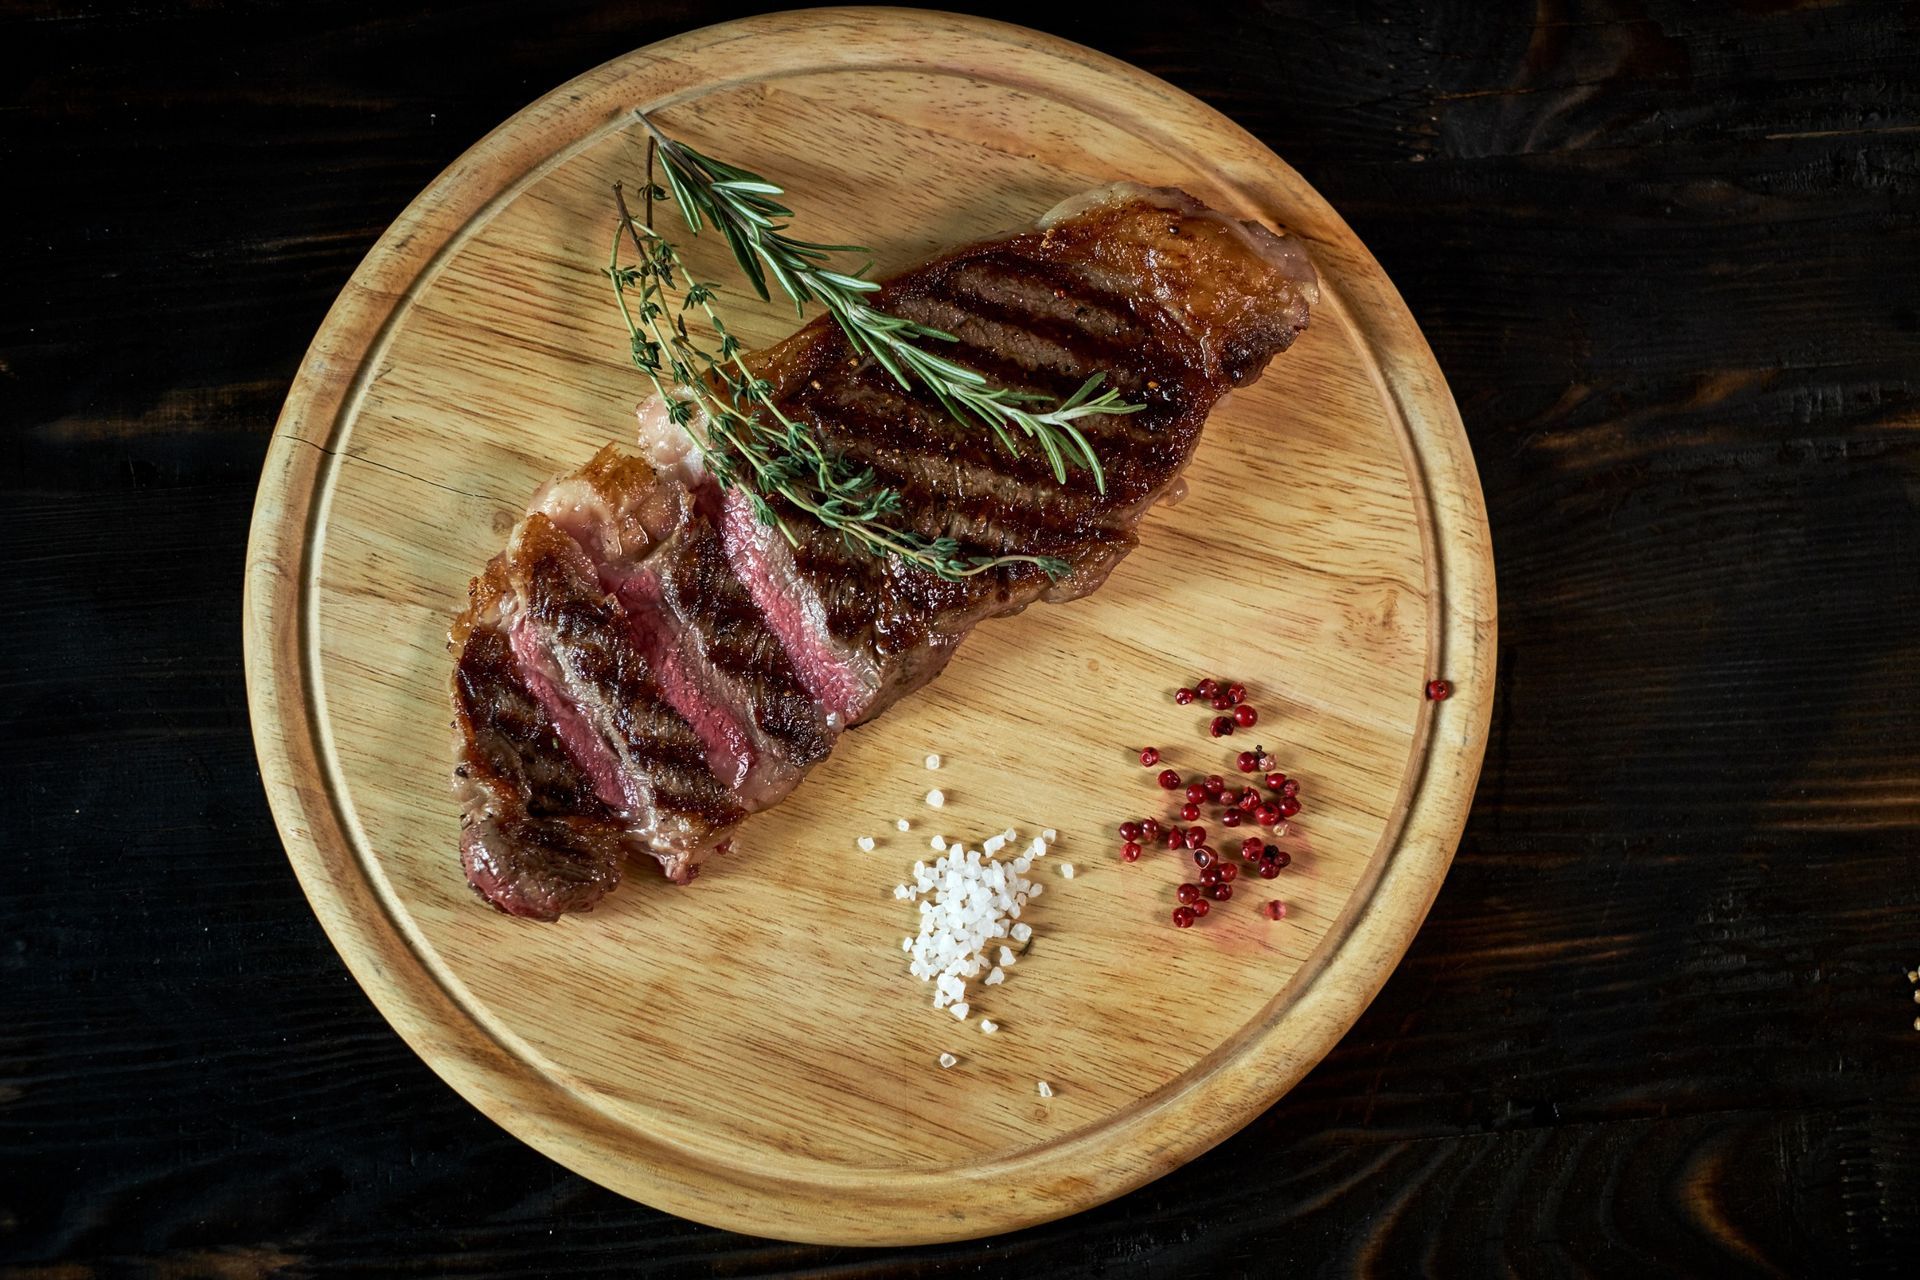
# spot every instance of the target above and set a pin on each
(1659, 1020)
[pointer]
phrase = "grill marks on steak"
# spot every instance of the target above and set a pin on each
(615, 692)
(571, 757)
(673, 799)
(725, 674)
(721, 625)
(536, 837)
(516, 747)
(647, 663)
(1172, 303)
(841, 677)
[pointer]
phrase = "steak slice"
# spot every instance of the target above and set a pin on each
(536, 837)
(719, 668)
(647, 662)
(586, 654)
(571, 755)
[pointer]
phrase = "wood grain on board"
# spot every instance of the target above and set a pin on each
(750, 1051)
(1658, 1018)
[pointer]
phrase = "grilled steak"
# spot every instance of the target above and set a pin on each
(647, 663)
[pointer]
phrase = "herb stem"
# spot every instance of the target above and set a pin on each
(785, 459)
(744, 208)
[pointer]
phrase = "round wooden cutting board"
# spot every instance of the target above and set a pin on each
(750, 1051)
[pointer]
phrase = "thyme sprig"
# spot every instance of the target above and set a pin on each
(745, 208)
(743, 435)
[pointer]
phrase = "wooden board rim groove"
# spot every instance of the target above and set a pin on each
(490, 1066)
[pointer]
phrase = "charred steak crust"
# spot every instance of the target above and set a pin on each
(646, 664)
(727, 629)
(607, 672)
(515, 752)
(1172, 303)
(536, 839)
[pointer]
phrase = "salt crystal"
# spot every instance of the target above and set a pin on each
(935, 797)
(969, 900)
(865, 843)
(1049, 835)
(933, 762)
(989, 1026)
(947, 1060)
(901, 891)
(1045, 1090)
(902, 824)
(1066, 872)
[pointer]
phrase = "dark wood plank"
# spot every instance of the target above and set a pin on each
(1658, 1022)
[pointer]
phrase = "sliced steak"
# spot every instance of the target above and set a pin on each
(647, 663)
(723, 672)
(537, 838)
(586, 656)
(570, 754)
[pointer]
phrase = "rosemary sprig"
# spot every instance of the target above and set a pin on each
(743, 435)
(745, 208)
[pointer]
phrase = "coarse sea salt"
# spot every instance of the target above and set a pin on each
(989, 1026)
(947, 1060)
(933, 761)
(865, 843)
(936, 798)
(969, 902)
(1045, 1089)
(902, 824)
